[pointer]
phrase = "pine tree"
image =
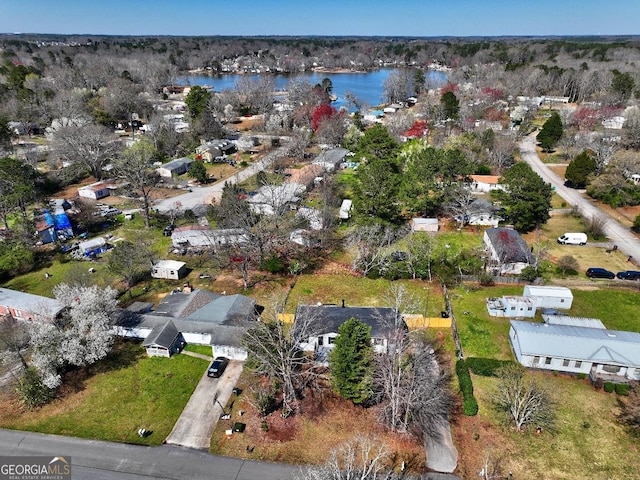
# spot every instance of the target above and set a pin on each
(578, 171)
(551, 132)
(351, 362)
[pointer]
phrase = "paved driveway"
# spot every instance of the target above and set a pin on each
(201, 414)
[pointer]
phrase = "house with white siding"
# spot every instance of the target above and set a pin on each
(610, 355)
(549, 296)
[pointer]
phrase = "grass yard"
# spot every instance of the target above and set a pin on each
(359, 291)
(121, 394)
(589, 444)
(201, 349)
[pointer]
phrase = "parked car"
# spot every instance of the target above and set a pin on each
(597, 272)
(572, 239)
(217, 367)
(629, 275)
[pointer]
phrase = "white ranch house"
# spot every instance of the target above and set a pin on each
(549, 296)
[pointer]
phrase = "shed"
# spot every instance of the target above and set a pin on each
(169, 269)
(345, 209)
(164, 340)
(424, 225)
(549, 296)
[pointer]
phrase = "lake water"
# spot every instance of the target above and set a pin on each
(367, 86)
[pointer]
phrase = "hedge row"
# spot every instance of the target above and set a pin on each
(469, 402)
(486, 367)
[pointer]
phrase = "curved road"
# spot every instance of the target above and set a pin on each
(98, 460)
(206, 195)
(619, 235)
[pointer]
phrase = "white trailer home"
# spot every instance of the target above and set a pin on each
(549, 296)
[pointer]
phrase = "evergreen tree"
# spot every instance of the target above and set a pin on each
(351, 361)
(197, 100)
(551, 132)
(198, 171)
(450, 105)
(527, 198)
(578, 171)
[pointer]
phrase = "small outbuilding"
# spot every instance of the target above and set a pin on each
(169, 269)
(92, 247)
(424, 225)
(95, 191)
(549, 296)
(164, 340)
(345, 209)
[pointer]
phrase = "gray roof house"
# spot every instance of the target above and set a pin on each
(326, 320)
(607, 354)
(508, 252)
(331, 159)
(164, 340)
(175, 167)
(26, 306)
(202, 317)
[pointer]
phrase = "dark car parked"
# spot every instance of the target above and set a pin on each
(629, 275)
(217, 367)
(596, 272)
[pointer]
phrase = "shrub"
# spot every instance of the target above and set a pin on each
(622, 389)
(581, 376)
(486, 279)
(486, 367)
(31, 391)
(469, 403)
(609, 387)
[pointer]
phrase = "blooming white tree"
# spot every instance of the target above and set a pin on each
(81, 337)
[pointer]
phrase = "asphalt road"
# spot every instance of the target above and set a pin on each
(206, 195)
(619, 235)
(97, 460)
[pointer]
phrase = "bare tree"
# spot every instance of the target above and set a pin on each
(603, 148)
(14, 339)
(363, 458)
(90, 147)
(460, 204)
(521, 401)
(372, 243)
(274, 347)
(136, 167)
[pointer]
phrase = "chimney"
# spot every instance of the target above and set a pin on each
(343, 303)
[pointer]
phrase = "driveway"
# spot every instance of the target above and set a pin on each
(201, 414)
(619, 235)
(211, 194)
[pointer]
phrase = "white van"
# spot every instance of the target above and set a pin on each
(573, 239)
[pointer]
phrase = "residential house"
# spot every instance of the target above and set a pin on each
(609, 355)
(508, 253)
(484, 183)
(425, 225)
(276, 199)
(202, 317)
(95, 191)
(169, 269)
(53, 226)
(199, 237)
(331, 159)
(511, 306)
(175, 167)
(26, 306)
(481, 212)
(164, 340)
(325, 321)
(312, 215)
(213, 149)
(549, 296)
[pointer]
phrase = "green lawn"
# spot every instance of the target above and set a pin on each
(589, 443)
(126, 392)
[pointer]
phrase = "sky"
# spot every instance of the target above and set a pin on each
(420, 18)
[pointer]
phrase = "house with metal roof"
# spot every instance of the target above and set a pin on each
(607, 354)
(175, 167)
(549, 296)
(27, 306)
(508, 253)
(511, 306)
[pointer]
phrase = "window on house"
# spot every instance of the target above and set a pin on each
(578, 364)
(332, 340)
(547, 361)
(562, 300)
(611, 368)
(529, 308)
(536, 360)
(565, 363)
(377, 341)
(320, 341)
